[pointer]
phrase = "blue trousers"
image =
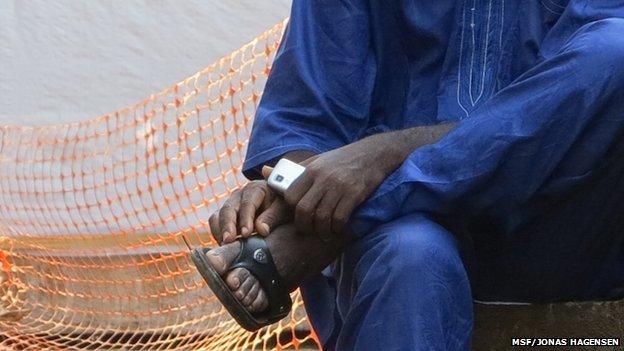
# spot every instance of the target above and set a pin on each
(405, 286)
(401, 286)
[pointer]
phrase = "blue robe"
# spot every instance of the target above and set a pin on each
(522, 201)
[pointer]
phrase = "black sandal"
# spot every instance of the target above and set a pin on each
(254, 256)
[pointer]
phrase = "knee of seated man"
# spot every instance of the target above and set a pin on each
(415, 245)
(600, 46)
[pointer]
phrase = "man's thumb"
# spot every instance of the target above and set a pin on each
(266, 171)
(278, 213)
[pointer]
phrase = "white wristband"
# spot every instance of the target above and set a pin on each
(284, 174)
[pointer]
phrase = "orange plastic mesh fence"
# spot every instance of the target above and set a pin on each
(92, 216)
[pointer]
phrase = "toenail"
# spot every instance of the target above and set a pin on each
(236, 282)
(239, 295)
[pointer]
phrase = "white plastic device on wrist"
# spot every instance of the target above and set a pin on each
(284, 174)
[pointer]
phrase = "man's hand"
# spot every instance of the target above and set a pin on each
(333, 185)
(327, 193)
(253, 207)
(237, 216)
(336, 182)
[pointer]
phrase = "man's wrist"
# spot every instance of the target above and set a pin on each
(298, 155)
(394, 147)
(391, 149)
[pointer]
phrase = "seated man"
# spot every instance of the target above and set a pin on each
(454, 150)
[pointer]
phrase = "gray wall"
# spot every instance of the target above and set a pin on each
(70, 60)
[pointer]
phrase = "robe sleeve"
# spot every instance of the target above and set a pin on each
(547, 130)
(318, 94)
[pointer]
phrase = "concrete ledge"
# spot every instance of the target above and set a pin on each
(496, 325)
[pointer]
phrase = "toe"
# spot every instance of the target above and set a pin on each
(243, 284)
(221, 257)
(260, 303)
(244, 289)
(237, 281)
(251, 295)
(216, 260)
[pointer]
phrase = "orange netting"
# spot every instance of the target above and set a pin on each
(92, 216)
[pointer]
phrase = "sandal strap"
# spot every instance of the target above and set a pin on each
(255, 256)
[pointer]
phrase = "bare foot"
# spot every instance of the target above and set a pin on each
(296, 257)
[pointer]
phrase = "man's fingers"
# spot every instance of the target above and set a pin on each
(343, 212)
(308, 160)
(251, 200)
(227, 223)
(277, 213)
(306, 207)
(228, 216)
(213, 221)
(324, 215)
(266, 171)
(269, 197)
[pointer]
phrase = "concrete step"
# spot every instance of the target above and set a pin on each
(497, 325)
